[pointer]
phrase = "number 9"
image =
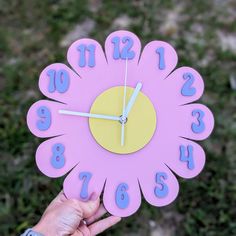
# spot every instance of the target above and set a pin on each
(45, 115)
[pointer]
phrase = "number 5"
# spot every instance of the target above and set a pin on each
(163, 191)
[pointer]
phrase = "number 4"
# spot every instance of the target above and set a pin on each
(187, 158)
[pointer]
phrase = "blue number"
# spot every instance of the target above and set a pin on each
(122, 197)
(160, 51)
(125, 52)
(187, 158)
(58, 80)
(85, 176)
(116, 42)
(200, 127)
(82, 48)
(187, 89)
(52, 86)
(58, 159)
(45, 115)
(164, 190)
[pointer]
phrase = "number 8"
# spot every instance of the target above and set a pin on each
(58, 159)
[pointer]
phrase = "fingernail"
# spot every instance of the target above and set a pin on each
(94, 196)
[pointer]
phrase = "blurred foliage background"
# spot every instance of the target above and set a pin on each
(34, 34)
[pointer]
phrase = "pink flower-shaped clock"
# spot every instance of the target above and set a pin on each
(121, 121)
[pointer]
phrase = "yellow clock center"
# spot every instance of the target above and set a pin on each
(139, 127)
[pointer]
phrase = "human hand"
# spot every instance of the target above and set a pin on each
(73, 217)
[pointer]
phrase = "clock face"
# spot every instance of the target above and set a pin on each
(120, 121)
(140, 124)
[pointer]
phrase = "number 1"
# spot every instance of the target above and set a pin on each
(161, 51)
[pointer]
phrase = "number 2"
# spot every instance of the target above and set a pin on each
(200, 127)
(58, 80)
(122, 197)
(126, 52)
(187, 89)
(163, 191)
(86, 177)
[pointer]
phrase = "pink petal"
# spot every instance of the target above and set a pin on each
(117, 66)
(152, 76)
(58, 82)
(185, 158)
(122, 194)
(56, 163)
(159, 186)
(57, 124)
(87, 58)
(184, 85)
(83, 181)
(194, 121)
(152, 65)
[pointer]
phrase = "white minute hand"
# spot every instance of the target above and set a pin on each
(90, 115)
(132, 99)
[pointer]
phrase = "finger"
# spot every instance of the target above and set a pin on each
(104, 224)
(99, 213)
(60, 198)
(90, 207)
(82, 231)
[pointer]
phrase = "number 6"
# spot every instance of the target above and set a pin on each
(122, 197)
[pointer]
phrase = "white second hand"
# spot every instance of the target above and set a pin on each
(124, 103)
(84, 114)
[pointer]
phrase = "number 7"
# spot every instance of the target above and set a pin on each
(86, 177)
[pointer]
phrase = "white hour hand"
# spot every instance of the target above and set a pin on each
(90, 115)
(132, 99)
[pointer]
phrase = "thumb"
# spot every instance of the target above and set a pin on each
(90, 207)
(85, 209)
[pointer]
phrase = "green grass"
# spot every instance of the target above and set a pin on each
(30, 35)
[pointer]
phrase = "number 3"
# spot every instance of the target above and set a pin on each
(200, 127)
